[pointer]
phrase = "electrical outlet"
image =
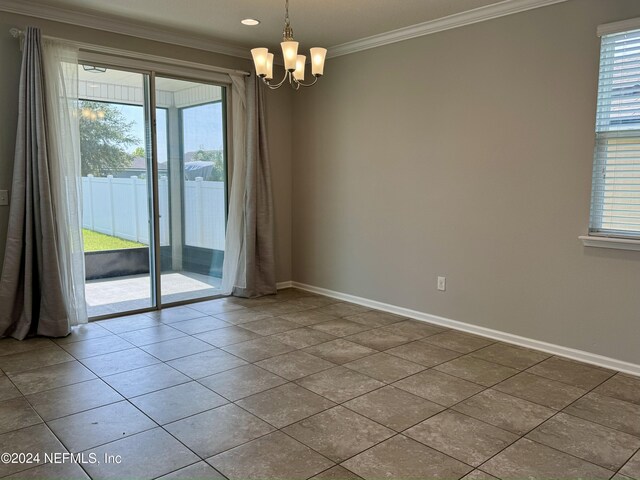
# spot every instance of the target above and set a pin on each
(4, 197)
(442, 283)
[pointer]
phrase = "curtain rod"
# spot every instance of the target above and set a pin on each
(89, 47)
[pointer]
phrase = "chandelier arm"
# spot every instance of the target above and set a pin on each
(306, 84)
(278, 85)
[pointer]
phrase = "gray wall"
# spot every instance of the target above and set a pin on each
(467, 153)
(279, 112)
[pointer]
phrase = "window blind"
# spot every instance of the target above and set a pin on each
(615, 202)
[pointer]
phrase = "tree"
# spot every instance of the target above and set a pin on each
(105, 135)
(139, 152)
(215, 157)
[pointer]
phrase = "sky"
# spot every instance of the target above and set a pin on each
(202, 127)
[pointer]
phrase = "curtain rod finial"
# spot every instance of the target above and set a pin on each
(15, 33)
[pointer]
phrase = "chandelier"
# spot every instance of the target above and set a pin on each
(294, 64)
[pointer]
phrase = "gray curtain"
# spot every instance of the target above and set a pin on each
(259, 254)
(31, 293)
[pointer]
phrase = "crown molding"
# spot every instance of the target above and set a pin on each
(126, 27)
(481, 14)
(123, 27)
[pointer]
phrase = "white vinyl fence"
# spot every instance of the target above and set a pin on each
(120, 207)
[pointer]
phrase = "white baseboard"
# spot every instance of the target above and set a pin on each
(572, 353)
(281, 285)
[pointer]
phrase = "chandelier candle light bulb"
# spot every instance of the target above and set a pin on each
(294, 64)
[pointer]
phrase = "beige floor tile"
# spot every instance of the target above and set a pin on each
(146, 380)
(279, 308)
(259, 349)
(477, 370)
(71, 399)
(510, 355)
(338, 433)
(592, 442)
(284, 405)
(144, 456)
(147, 336)
(632, 467)
(175, 314)
(206, 363)
(459, 436)
(308, 317)
(393, 408)
(17, 413)
(622, 387)
(242, 382)
(478, 475)
(197, 471)
(11, 346)
(245, 315)
(608, 411)
(504, 411)
(37, 439)
(312, 302)
(336, 473)
(527, 459)
(295, 365)
(340, 384)
(7, 389)
(543, 391)
(414, 329)
(33, 359)
(401, 457)
(342, 309)
(216, 307)
(573, 373)
(128, 323)
(423, 353)
(217, 430)
(101, 425)
(458, 341)
(98, 346)
(270, 326)
(383, 367)
(52, 376)
(439, 387)
(176, 348)
(340, 351)
(175, 403)
(200, 325)
(340, 327)
(83, 332)
(378, 339)
(118, 362)
(227, 336)
(272, 456)
(375, 318)
(303, 337)
(61, 471)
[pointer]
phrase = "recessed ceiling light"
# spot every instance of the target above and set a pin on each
(250, 21)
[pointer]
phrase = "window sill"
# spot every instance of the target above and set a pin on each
(610, 242)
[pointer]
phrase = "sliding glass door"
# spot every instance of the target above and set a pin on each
(154, 205)
(192, 179)
(116, 190)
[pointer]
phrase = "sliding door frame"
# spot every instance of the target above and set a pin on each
(151, 70)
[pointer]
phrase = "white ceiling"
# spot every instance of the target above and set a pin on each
(324, 23)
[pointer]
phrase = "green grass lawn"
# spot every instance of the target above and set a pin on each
(96, 242)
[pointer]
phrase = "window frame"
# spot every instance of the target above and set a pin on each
(598, 237)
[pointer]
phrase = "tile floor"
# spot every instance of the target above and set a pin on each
(300, 386)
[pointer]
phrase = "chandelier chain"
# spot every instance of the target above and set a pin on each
(286, 14)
